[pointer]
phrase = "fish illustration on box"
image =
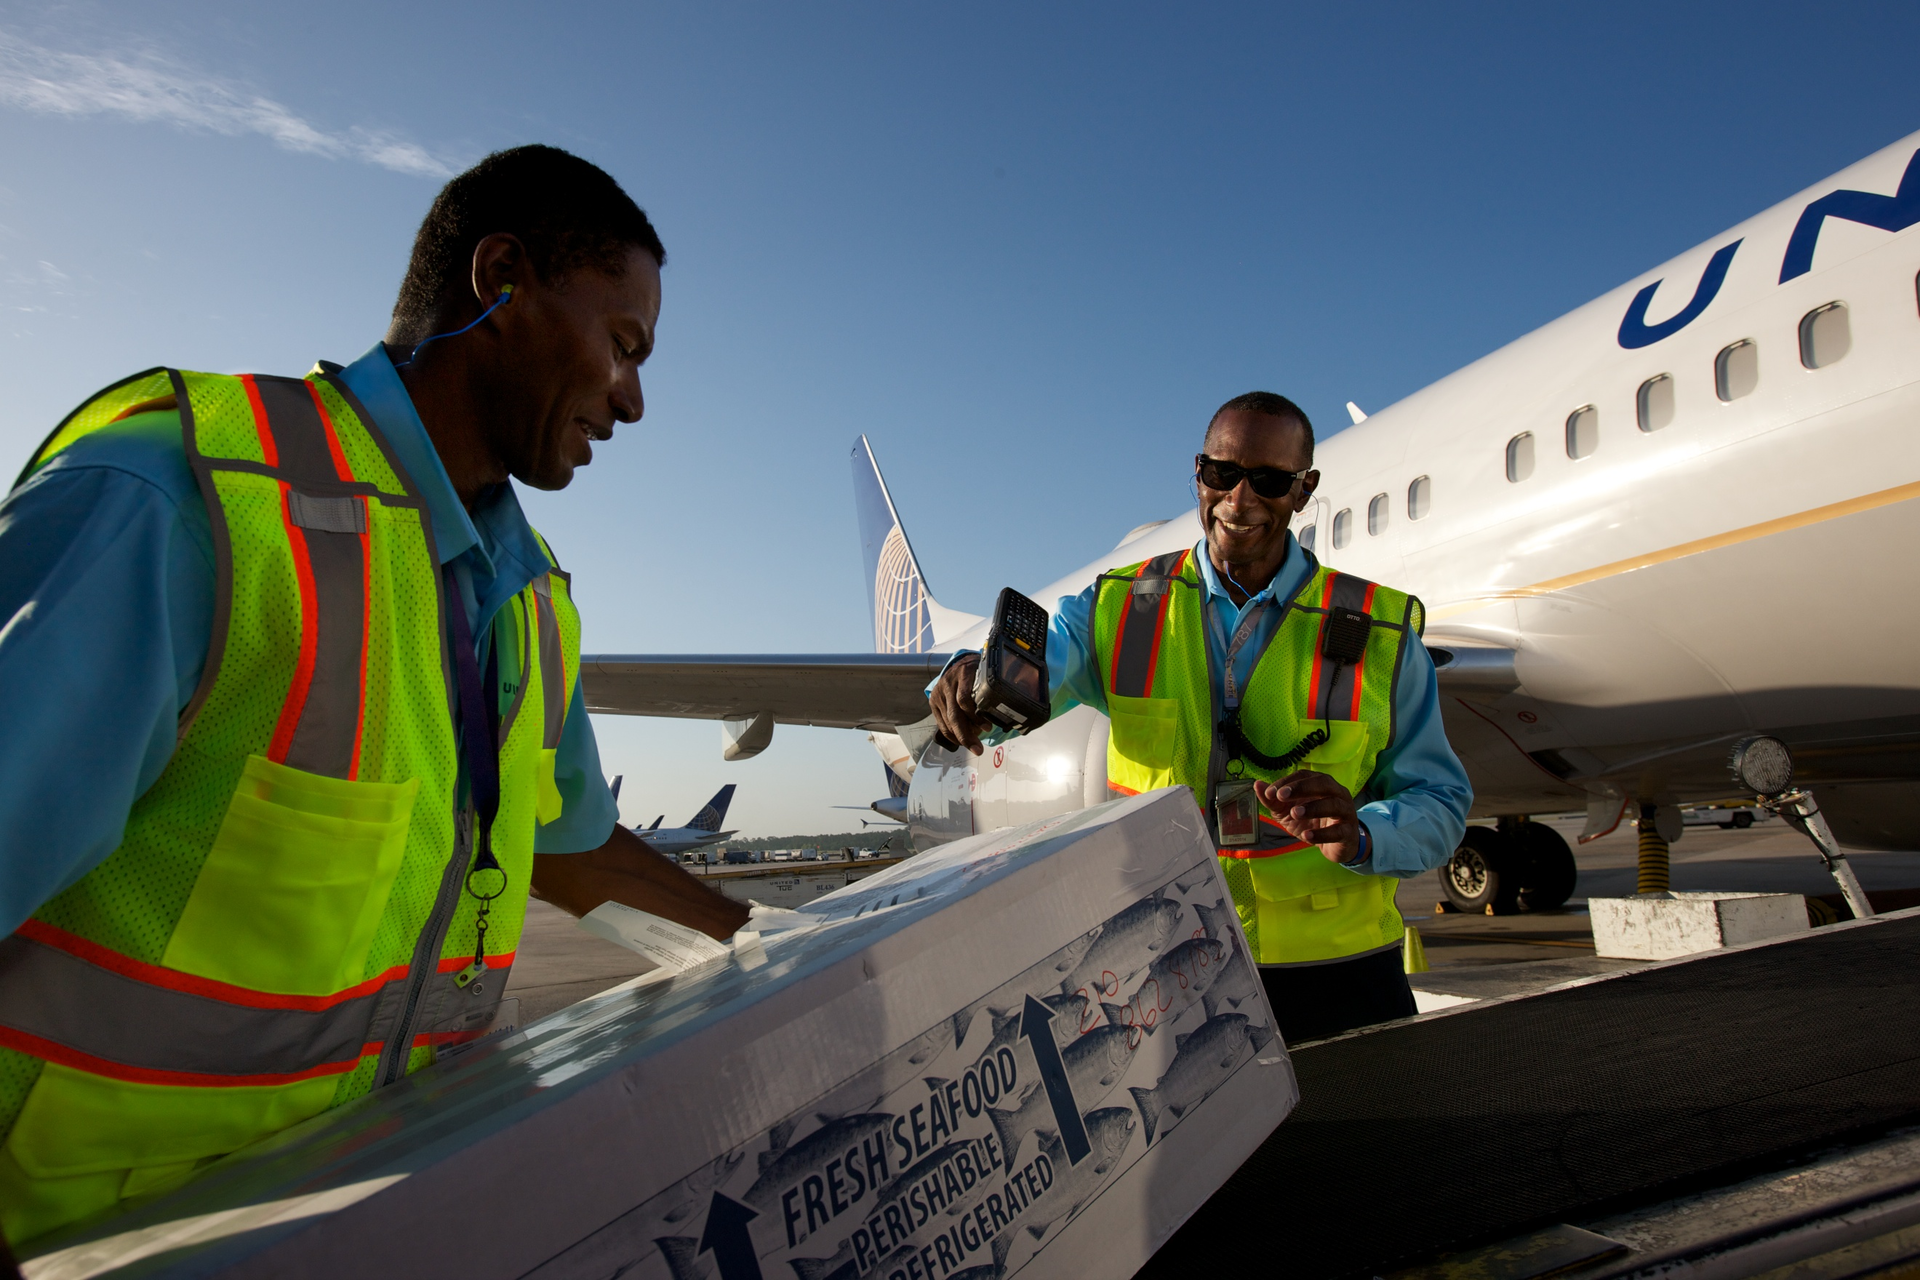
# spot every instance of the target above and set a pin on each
(1095, 1064)
(781, 1165)
(1174, 983)
(1236, 983)
(683, 1258)
(1126, 946)
(1110, 1130)
(1205, 1059)
(1041, 981)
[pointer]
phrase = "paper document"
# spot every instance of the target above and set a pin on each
(668, 945)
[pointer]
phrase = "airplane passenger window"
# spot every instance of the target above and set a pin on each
(1520, 457)
(1583, 432)
(1343, 528)
(1656, 402)
(1377, 514)
(1825, 335)
(1307, 536)
(1419, 498)
(1736, 371)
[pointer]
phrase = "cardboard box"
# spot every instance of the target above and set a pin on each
(1034, 1052)
(1662, 926)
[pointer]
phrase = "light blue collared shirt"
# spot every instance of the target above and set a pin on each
(106, 610)
(1415, 805)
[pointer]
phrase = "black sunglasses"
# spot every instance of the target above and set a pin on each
(1268, 482)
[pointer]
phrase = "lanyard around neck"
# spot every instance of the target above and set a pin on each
(479, 733)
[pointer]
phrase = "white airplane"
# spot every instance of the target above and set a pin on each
(1685, 512)
(701, 829)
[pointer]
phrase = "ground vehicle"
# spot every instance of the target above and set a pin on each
(1731, 817)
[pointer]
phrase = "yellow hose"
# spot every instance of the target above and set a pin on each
(1655, 869)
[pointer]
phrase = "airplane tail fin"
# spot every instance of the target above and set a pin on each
(906, 618)
(710, 818)
(657, 821)
(614, 786)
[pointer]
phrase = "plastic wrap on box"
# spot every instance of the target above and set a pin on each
(1033, 1052)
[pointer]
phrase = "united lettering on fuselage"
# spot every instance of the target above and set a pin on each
(1891, 213)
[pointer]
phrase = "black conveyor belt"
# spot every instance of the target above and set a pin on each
(1478, 1126)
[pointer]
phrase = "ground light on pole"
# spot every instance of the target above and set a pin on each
(1764, 766)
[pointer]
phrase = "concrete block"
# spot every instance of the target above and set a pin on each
(1661, 926)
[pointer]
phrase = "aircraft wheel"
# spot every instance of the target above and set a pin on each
(1482, 874)
(1742, 820)
(1546, 868)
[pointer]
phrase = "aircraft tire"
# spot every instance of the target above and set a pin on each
(1547, 871)
(1483, 873)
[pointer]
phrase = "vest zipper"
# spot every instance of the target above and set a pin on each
(426, 951)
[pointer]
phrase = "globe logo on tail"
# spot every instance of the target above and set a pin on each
(901, 622)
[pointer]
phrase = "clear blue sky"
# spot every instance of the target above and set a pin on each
(1038, 242)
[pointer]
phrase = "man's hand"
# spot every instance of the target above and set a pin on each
(629, 871)
(953, 708)
(1313, 807)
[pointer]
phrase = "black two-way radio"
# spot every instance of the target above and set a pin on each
(1010, 685)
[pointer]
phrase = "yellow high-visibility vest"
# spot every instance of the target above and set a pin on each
(283, 923)
(1150, 644)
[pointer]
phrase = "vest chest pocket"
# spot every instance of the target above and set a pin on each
(296, 882)
(1343, 754)
(1141, 749)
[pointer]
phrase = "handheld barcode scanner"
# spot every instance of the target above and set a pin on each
(1010, 685)
(1343, 643)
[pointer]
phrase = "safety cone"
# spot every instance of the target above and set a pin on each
(1413, 952)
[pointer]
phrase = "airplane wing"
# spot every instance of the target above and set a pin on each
(838, 690)
(860, 690)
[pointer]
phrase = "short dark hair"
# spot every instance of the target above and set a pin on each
(568, 213)
(1267, 404)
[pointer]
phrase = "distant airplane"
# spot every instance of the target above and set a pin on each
(701, 829)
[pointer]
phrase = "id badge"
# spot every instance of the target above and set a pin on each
(1236, 812)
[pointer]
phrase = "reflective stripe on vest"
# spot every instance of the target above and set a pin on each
(1150, 644)
(72, 1001)
(283, 920)
(1136, 650)
(319, 727)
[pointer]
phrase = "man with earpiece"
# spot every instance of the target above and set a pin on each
(1296, 702)
(294, 711)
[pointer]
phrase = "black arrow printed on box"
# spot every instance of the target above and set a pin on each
(1035, 1027)
(727, 1236)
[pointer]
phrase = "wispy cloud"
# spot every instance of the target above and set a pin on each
(148, 87)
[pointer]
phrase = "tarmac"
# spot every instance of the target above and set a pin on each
(1470, 957)
(1487, 957)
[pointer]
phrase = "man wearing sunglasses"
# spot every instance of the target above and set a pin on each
(1298, 704)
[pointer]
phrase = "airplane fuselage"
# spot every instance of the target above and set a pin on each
(1686, 510)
